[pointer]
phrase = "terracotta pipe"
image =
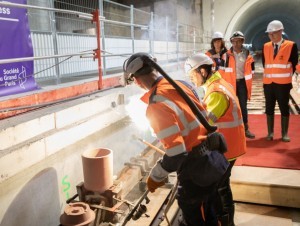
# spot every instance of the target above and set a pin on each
(98, 169)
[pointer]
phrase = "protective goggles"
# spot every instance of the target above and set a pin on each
(134, 66)
(131, 69)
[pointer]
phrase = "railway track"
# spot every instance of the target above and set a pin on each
(257, 103)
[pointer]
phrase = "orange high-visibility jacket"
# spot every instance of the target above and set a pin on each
(174, 124)
(211, 53)
(278, 70)
(229, 73)
(231, 123)
(172, 120)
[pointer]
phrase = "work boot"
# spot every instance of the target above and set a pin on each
(223, 220)
(270, 123)
(248, 133)
(231, 216)
(228, 209)
(285, 128)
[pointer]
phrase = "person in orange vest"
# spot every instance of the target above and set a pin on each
(238, 71)
(187, 144)
(223, 109)
(279, 59)
(217, 49)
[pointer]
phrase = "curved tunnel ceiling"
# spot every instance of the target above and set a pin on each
(252, 19)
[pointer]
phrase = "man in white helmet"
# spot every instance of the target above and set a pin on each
(217, 49)
(223, 110)
(279, 59)
(238, 71)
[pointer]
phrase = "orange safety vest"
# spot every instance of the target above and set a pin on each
(172, 120)
(278, 70)
(229, 72)
(231, 123)
(210, 54)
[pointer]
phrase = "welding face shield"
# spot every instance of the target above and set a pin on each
(137, 65)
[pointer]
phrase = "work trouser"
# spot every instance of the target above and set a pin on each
(198, 178)
(197, 204)
(280, 93)
(242, 94)
(224, 200)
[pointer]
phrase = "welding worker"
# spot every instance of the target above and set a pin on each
(182, 136)
(279, 59)
(223, 110)
(238, 71)
(217, 49)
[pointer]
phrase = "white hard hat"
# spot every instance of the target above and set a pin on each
(237, 34)
(217, 35)
(274, 25)
(196, 61)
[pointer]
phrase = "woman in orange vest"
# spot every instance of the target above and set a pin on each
(223, 110)
(217, 49)
(279, 59)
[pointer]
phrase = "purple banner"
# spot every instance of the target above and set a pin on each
(15, 42)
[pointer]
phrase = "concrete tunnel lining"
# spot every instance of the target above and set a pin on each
(253, 17)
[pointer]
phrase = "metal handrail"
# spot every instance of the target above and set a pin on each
(23, 59)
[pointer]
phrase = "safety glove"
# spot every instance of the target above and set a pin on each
(153, 185)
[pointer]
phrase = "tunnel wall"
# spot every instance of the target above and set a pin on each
(252, 17)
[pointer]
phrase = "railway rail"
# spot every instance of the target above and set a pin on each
(257, 103)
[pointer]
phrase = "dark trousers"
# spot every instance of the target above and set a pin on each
(241, 92)
(280, 93)
(224, 200)
(190, 199)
